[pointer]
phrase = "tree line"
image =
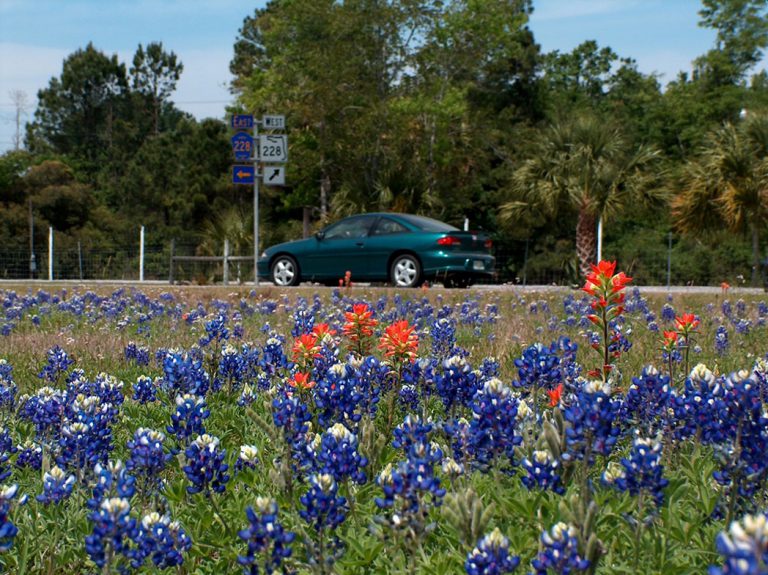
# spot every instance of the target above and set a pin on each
(444, 108)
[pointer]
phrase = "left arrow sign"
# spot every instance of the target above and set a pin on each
(243, 174)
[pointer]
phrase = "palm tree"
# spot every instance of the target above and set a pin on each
(727, 184)
(583, 164)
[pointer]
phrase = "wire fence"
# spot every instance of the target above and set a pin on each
(524, 262)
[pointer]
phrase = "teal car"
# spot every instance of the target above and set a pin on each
(402, 249)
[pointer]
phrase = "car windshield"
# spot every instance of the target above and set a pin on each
(428, 224)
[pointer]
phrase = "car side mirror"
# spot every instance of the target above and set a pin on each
(320, 235)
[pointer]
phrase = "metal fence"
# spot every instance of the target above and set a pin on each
(524, 262)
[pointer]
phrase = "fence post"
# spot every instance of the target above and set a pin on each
(50, 254)
(80, 259)
(669, 261)
(226, 262)
(141, 254)
(170, 266)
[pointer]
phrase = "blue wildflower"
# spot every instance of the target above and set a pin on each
(205, 466)
(57, 486)
(188, 419)
(323, 506)
(491, 556)
(145, 390)
(542, 472)
(744, 547)
(112, 530)
(560, 553)
(492, 430)
(162, 540)
(8, 530)
(57, 364)
(641, 472)
(265, 537)
(148, 457)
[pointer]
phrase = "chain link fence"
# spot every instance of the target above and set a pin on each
(666, 260)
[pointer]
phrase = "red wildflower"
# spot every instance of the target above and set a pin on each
(669, 340)
(686, 324)
(323, 329)
(360, 322)
(399, 341)
(301, 381)
(305, 348)
(555, 395)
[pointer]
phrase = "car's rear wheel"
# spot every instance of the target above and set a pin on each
(405, 271)
(285, 271)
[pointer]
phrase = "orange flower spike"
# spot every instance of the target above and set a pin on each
(686, 324)
(321, 330)
(301, 381)
(555, 395)
(305, 347)
(400, 341)
(360, 322)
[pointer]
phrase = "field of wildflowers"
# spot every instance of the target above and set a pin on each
(361, 430)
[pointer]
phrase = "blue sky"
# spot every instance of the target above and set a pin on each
(36, 36)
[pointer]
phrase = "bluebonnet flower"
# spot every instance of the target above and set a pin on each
(411, 433)
(112, 480)
(137, 354)
(57, 486)
(248, 458)
(744, 547)
(337, 455)
(79, 446)
(492, 430)
(491, 556)
(539, 366)
(112, 530)
(443, 334)
(411, 485)
(273, 359)
(216, 331)
(323, 506)
(266, 537)
(647, 400)
(668, 313)
(231, 369)
(641, 472)
(148, 457)
(8, 530)
(742, 326)
(145, 390)
(184, 374)
(292, 416)
(560, 553)
(188, 419)
(247, 396)
(542, 472)
(455, 382)
(45, 410)
(303, 321)
(162, 540)
(205, 466)
(6, 450)
(726, 308)
(721, 340)
(57, 364)
(8, 387)
(30, 455)
(593, 416)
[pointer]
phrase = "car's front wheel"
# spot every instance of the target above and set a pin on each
(405, 271)
(285, 271)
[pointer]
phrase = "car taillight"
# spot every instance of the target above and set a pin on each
(488, 244)
(449, 241)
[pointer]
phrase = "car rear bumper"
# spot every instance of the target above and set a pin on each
(448, 265)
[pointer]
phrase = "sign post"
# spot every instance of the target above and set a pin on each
(258, 149)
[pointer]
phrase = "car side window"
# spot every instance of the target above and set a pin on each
(385, 226)
(351, 228)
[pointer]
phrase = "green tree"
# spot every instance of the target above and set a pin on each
(727, 184)
(76, 113)
(581, 165)
(155, 73)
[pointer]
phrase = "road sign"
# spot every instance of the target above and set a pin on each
(272, 122)
(242, 121)
(242, 146)
(273, 148)
(243, 174)
(274, 175)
